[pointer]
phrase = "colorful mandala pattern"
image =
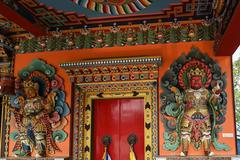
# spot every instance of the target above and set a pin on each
(114, 7)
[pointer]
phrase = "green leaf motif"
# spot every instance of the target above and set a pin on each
(59, 136)
(171, 142)
(220, 146)
(173, 110)
(14, 135)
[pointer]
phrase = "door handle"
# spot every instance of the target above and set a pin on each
(106, 140)
(132, 139)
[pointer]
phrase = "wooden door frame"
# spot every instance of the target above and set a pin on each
(113, 78)
(83, 110)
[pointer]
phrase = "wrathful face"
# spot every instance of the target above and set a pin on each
(196, 82)
(30, 92)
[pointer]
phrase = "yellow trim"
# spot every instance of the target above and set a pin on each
(2, 119)
(144, 93)
(5, 119)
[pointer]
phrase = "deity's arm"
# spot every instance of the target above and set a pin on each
(21, 103)
(214, 99)
(18, 115)
(178, 95)
(215, 95)
(50, 102)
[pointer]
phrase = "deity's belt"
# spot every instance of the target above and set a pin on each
(31, 114)
(196, 121)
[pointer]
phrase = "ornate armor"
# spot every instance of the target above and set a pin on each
(195, 124)
(193, 103)
(39, 109)
(34, 125)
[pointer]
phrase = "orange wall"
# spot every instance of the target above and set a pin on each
(168, 52)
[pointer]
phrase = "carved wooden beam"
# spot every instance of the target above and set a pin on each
(231, 38)
(15, 17)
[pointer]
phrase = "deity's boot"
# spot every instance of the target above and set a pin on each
(208, 153)
(206, 144)
(40, 145)
(184, 154)
(24, 149)
(185, 145)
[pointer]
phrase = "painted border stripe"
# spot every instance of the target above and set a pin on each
(106, 9)
(114, 10)
(133, 7)
(127, 9)
(91, 5)
(84, 3)
(99, 7)
(145, 2)
(139, 5)
(120, 10)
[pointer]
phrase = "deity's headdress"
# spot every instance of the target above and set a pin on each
(194, 68)
(196, 72)
(30, 84)
(38, 81)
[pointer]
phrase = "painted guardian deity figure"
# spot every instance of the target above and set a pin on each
(193, 104)
(39, 108)
(33, 122)
(195, 125)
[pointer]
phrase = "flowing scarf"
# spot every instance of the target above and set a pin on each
(132, 154)
(106, 155)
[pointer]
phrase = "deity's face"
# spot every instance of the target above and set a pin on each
(30, 92)
(196, 82)
(30, 89)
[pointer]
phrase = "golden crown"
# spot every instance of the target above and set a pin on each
(196, 72)
(30, 84)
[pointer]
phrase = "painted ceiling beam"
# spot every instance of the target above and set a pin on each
(231, 38)
(15, 17)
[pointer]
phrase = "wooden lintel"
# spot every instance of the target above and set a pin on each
(15, 17)
(231, 38)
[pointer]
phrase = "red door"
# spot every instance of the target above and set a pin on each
(118, 118)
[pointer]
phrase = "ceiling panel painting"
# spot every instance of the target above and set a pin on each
(115, 7)
(77, 13)
(103, 8)
(74, 14)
